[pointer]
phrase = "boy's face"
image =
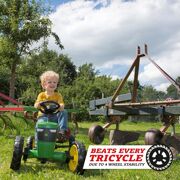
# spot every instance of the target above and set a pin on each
(50, 84)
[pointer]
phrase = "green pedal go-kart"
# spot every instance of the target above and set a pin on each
(48, 141)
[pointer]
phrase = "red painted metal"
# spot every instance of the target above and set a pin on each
(17, 109)
(1, 103)
(9, 99)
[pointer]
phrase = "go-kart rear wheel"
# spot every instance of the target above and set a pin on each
(17, 153)
(29, 145)
(77, 153)
(153, 136)
(30, 142)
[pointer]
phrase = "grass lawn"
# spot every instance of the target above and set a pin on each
(34, 170)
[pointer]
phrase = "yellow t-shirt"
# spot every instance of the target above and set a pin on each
(57, 97)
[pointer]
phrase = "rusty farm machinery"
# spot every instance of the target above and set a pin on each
(121, 106)
(10, 106)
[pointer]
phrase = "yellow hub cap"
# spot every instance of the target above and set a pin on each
(73, 163)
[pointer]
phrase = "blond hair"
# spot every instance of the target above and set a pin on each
(46, 75)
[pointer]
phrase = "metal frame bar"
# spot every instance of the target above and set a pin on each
(111, 107)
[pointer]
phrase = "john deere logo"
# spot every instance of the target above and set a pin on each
(159, 157)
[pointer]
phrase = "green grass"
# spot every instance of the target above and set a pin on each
(34, 170)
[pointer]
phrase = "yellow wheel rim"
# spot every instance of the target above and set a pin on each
(73, 163)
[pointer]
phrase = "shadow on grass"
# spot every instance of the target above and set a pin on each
(84, 131)
(35, 167)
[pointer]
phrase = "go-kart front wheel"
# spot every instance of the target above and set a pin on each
(77, 154)
(17, 153)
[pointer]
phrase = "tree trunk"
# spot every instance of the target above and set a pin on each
(12, 80)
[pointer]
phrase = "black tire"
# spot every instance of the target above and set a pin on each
(30, 142)
(153, 136)
(29, 145)
(17, 153)
(77, 153)
(71, 140)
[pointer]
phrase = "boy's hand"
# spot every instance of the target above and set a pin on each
(61, 107)
(37, 105)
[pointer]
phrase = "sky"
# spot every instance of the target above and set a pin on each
(106, 33)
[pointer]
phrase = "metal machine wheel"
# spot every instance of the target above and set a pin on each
(77, 153)
(96, 134)
(17, 153)
(153, 136)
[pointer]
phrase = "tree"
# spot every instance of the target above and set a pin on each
(172, 91)
(50, 60)
(35, 65)
(22, 22)
(87, 71)
(4, 75)
(66, 69)
(151, 94)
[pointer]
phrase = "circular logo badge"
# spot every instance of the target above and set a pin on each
(159, 157)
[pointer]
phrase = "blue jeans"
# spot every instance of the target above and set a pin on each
(61, 118)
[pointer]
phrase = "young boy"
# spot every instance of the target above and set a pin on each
(49, 82)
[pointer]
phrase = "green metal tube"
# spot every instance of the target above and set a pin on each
(33, 153)
(56, 156)
(59, 156)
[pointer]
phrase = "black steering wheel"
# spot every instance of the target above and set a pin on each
(49, 107)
